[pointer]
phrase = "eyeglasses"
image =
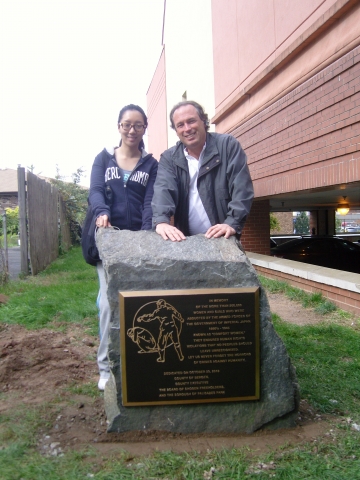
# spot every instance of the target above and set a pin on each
(136, 126)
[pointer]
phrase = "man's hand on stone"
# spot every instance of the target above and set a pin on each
(169, 232)
(220, 230)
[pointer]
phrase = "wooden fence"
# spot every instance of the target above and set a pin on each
(42, 222)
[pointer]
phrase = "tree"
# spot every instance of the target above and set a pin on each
(75, 198)
(274, 222)
(302, 224)
(32, 169)
(12, 221)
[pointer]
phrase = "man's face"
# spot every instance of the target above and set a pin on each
(189, 128)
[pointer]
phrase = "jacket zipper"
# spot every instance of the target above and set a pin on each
(140, 162)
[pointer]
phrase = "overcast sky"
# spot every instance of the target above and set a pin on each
(67, 67)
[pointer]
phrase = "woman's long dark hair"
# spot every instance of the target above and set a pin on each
(138, 109)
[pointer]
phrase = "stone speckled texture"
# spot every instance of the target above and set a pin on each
(144, 261)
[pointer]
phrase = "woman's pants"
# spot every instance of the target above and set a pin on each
(104, 324)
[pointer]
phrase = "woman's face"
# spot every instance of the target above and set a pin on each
(132, 128)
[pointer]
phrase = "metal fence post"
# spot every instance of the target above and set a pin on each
(24, 265)
(5, 243)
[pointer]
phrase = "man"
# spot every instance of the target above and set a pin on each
(204, 180)
(170, 325)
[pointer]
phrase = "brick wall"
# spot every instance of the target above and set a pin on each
(256, 234)
(286, 223)
(345, 299)
(8, 201)
(310, 137)
(314, 222)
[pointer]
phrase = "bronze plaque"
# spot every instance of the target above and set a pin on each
(189, 346)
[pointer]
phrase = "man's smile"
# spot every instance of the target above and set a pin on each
(190, 135)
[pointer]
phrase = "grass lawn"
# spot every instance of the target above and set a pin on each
(64, 293)
(326, 357)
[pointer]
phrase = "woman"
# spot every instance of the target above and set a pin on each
(121, 190)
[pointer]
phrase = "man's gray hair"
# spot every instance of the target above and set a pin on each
(203, 116)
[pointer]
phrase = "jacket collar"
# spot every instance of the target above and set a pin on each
(210, 150)
(144, 155)
(111, 151)
(179, 156)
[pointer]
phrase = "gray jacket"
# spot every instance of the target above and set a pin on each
(224, 184)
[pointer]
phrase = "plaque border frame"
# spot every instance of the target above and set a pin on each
(196, 291)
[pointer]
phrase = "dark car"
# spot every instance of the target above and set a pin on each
(331, 252)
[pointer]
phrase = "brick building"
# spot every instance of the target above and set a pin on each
(8, 189)
(287, 85)
(176, 79)
(292, 97)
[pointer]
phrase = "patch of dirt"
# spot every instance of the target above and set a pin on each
(36, 364)
(40, 367)
(292, 312)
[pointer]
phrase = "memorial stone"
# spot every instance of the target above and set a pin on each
(139, 263)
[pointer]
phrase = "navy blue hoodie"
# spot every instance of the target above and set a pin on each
(131, 201)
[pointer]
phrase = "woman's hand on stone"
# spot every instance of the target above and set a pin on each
(103, 221)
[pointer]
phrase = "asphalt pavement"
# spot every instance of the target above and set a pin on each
(14, 257)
